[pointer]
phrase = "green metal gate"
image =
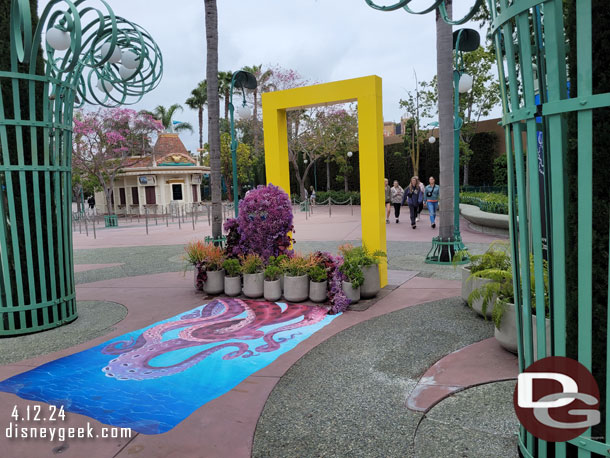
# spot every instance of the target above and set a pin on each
(559, 248)
(539, 103)
(38, 90)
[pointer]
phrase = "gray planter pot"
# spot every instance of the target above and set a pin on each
(468, 286)
(253, 285)
(507, 334)
(317, 291)
(272, 290)
(232, 286)
(370, 287)
(353, 294)
(296, 289)
(215, 282)
(195, 273)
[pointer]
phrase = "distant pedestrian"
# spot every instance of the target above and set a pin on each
(431, 194)
(312, 194)
(396, 194)
(388, 203)
(91, 202)
(421, 205)
(413, 197)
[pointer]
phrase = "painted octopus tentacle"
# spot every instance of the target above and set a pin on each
(315, 316)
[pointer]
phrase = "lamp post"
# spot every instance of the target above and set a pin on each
(79, 52)
(242, 80)
(464, 40)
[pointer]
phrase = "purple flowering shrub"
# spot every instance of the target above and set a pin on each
(263, 224)
(338, 300)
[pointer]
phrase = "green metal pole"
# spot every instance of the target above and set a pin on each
(233, 147)
(457, 126)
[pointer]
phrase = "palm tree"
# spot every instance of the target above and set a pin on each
(198, 100)
(224, 88)
(444, 70)
(165, 116)
(211, 37)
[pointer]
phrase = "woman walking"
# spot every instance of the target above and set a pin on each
(421, 205)
(431, 200)
(413, 196)
(396, 197)
(388, 204)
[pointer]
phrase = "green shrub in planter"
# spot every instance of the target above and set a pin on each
(318, 274)
(273, 273)
(251, 264)
(232, 267)
(352, 272)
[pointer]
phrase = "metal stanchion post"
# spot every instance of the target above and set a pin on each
(86, 228)
(209, 220)
(351, 206)
(156, 219)
(165, 212)
(179, 218)
(193, 216)
(94, 234)
(329, 209)
(80, 225)
(146, 220)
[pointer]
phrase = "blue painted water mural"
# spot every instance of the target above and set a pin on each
(153, 378)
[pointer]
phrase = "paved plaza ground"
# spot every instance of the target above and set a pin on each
(415, 374)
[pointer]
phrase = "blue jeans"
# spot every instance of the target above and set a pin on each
(432, 208)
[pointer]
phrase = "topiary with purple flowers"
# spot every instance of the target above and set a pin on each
(263, 224)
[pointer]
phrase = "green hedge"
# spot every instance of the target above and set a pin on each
(486, 201)
(338, 196)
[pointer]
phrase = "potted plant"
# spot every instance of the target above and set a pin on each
(215, 275)
(318, 282)
(232, 277)
(277, 261)
(483, 270)
(504, 314)
(195, 254)
(352, 272)
(252, 269)
(296, 281)
(272, 289)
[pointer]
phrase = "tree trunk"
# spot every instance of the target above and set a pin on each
(200, 130)
(466, 167)
(211, 35)
(444, 63)
(327, 174)
(345, 182)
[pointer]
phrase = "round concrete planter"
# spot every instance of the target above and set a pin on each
(317, 291)
(215, 282)
(353, 294)
(253, 285)
(507, 334)
(232, 286)
(272, 290)
(468, 286)
(370, 287)
(296, 289)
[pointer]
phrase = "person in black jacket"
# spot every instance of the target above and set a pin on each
(413, 197)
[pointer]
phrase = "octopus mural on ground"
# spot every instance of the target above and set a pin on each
(220, 321)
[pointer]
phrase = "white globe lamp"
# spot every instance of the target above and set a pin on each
(58, 39)
(104, 86)
(116, 54)
(350, 154)
(465, 83)
(244, 112)
(129, 59)
(126, 72)
(432, 139)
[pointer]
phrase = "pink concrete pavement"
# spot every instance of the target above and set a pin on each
(223, 427)
(478, 363)
(342, 225)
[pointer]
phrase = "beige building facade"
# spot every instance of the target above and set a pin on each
(167, 181)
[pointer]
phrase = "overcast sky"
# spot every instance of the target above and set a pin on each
(324, 40)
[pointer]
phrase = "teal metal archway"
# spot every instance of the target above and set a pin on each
(97, 58)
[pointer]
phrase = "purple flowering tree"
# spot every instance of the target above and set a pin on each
(108, 139)
(263, 224)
